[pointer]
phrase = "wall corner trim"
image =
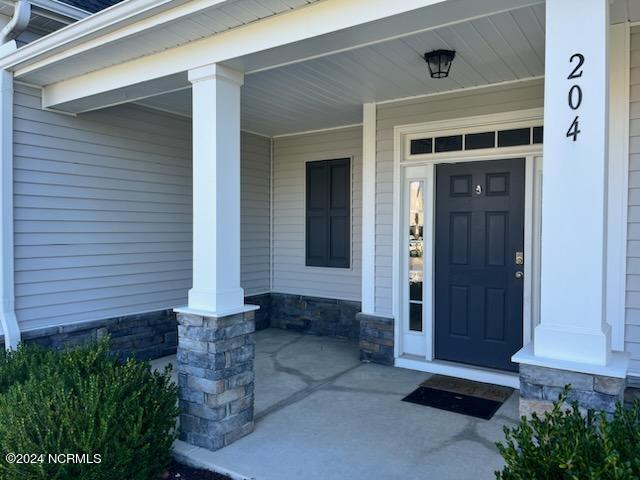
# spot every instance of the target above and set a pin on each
(8, 318)
(369, 127)
(618, 181)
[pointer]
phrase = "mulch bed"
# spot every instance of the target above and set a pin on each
(178, 471)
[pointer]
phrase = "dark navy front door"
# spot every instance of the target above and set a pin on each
(479, 232)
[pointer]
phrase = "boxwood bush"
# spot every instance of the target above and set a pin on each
(84, 402)
(567, 443)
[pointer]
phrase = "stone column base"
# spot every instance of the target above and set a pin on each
(541, 386)
(216, 378)
(376, 339)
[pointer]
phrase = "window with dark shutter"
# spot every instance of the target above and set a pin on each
(328, 230)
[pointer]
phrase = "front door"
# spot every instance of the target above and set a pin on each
(479, 245)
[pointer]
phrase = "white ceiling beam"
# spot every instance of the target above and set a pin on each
(131, 93)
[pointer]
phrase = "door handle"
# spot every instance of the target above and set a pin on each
(519, 274)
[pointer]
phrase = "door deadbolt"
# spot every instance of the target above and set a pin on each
(519, 258)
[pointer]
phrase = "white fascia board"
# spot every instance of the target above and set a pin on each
(112, 24)
(54, 10)
(309, 23)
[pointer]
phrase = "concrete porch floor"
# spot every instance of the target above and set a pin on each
(322, 414)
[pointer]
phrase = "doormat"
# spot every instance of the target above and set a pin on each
(476, 399)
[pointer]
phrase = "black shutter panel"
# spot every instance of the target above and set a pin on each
(328, 229)
(339, 213)
(317, 234)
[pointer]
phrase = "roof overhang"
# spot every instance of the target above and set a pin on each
(113, 24)
(317, 30)
(59, 11)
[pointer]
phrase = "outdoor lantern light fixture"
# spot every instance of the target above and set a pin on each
(439, 62)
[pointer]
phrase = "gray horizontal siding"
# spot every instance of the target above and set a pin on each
(632, 327)
(517, 96)
(256, 215)
(290, 275)
(102, 206)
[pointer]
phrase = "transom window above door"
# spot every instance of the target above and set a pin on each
(510, 137)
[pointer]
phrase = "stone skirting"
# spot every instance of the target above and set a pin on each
(376, 339)
(318, 316)
(145, 336)
(154, 334)
(263, 316)
(541, 386)
(216, 378)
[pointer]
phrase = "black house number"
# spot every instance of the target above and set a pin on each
(574, 97)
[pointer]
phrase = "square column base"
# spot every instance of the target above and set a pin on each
(216, 378)
(542, 380)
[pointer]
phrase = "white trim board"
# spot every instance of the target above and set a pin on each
(368, 228)
(618, 177)
(477, 374)
(461, 90)
(319, 130)
(8, 320)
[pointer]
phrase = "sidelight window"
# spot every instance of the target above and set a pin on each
(416, 254)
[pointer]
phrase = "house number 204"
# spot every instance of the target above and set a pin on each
(575, 94)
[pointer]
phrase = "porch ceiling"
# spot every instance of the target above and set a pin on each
(187, 26)
(329, 91)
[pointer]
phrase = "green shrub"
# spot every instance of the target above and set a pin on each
(567, 444)
(84, 401)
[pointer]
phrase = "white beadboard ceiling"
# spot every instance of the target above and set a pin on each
(329, 91)
(205, 23)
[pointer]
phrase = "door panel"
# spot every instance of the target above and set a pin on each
(479, 227)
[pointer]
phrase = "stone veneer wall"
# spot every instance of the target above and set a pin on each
(541, 386)
(216, 378)
(376, 339)
(317, 316)
(153, 335)
(263, 316)
(145, 336)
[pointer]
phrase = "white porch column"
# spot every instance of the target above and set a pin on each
(216, 191)
(573, 325)
(8, 319)
(572, 343)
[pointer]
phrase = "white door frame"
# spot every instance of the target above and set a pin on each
(402, 157)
